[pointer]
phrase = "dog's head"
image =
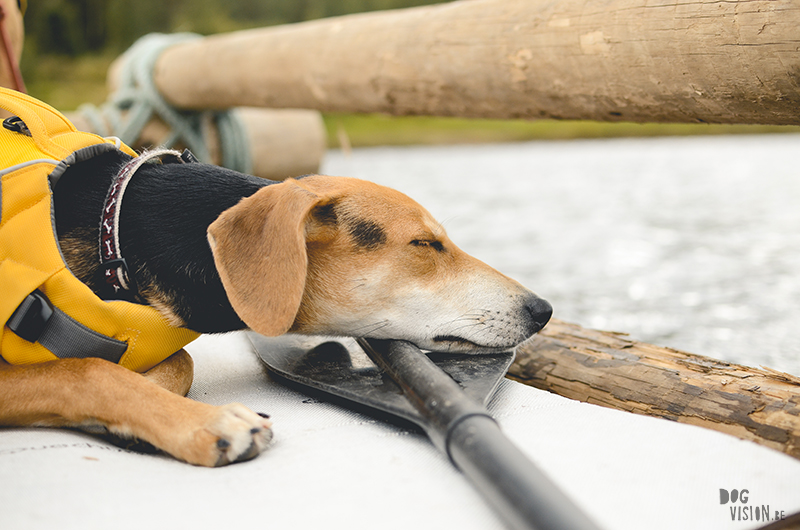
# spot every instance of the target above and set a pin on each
(341, 256)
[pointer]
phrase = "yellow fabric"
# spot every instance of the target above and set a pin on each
(29, 253)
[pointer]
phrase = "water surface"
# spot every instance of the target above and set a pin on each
(690, 243)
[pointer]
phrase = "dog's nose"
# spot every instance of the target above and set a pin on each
(540, 311)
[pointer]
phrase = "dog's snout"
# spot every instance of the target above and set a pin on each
(540, 312)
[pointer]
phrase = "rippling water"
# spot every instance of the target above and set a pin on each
(690, 243)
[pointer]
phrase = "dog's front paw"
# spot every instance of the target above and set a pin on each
(240, 433)
(223, 435)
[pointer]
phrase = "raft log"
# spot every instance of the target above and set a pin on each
(608, 60)
(612, 370)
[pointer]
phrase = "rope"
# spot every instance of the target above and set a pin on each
(137, 99)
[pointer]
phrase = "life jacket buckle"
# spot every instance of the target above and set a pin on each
(15, 123)
(30, 319)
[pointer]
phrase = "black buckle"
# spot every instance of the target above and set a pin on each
(15, 123)
(188, 157)
(30, 318)
(120, 263)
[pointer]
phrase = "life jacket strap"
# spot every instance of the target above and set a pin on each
(37, 320)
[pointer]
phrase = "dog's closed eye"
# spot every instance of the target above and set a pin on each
(432, 243)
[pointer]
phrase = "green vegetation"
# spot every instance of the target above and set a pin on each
(71, 43)
(67, 82)
(76, 27)
(372, 130)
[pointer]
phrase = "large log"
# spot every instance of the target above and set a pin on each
(611, 370)
(637, 60)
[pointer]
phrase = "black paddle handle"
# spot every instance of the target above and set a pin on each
(524, 496)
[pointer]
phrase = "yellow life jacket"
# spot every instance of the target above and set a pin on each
(38, 292)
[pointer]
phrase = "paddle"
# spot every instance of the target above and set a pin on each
(443, 394)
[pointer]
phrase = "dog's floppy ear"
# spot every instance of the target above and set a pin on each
(259, 249)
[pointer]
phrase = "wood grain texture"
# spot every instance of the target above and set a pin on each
(636, 60)
(610, 369)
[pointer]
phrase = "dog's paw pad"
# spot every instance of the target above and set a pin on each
(241, 434)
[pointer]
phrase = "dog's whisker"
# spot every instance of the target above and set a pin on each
(465, 327)
(467, 319)
(368, 328)
(463, 331)
(359, 283)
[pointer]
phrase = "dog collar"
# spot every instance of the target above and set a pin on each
(116, 272)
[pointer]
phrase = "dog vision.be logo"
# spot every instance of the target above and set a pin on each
(741, 509)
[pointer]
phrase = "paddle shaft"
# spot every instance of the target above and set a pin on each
(463, 429)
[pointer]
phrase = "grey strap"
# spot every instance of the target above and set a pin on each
(66, 337)
(36, 320)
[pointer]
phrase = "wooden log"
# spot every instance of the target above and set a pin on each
(611, 370)
(612, 60)
(283, 142)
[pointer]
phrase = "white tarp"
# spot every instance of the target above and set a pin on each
(331, 468)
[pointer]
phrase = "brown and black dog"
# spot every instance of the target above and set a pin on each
(214, 251)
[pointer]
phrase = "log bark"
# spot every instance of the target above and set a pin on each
(611, 370)
(612, 60)
(283, 142)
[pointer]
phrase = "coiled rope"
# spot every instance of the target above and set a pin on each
(137, 99)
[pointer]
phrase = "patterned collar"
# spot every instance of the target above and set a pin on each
(117, 273)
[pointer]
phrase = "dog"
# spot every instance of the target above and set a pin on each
(213, 250)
